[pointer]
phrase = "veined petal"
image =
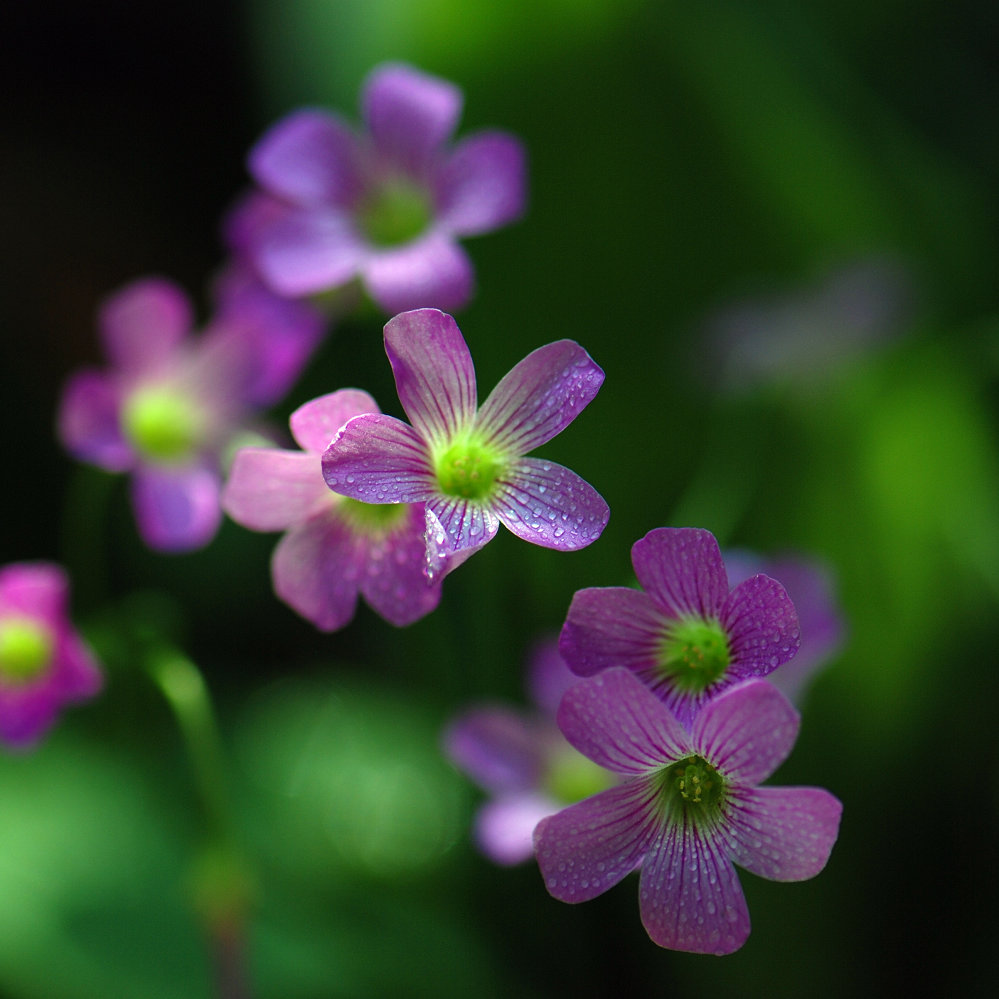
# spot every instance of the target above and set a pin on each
(461, 524)
(611, 626)
(539, 397)
(88, 421)
(269, 489)
(432, 270)
(143, 324)
(315, 423)
(499, 748)
(590, 846)
(433, 372)
(747, 731)
(482, 185)
(762, 626)
(689, 894)
(177, 509)
(379, 459)
(616, 721)
(504, 828)
(310, 158)
(316, 569)
(782, 833)
(409, 114)
(549, 505)
(681, 568)
(441, 557)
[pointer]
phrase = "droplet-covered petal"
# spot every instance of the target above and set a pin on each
(681, 569)
(461, 524)
(762, 626)
(269, 490)
(432, 270)
(315, 423)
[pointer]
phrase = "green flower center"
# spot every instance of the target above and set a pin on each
(395, 212)
(161, 425)
(572, 777)
(694, 654)
(25, 649)
(468, 469)
(692, 788)
(372, 519)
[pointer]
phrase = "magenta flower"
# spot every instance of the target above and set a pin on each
(386, 206)
(171, 404)
(522, 761)
(688, 636)
(334, 548)
(465, 462)
(687, 810)
(44, 664)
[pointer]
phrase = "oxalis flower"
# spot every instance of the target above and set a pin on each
(334, 548)
(688, 808)
(464, 462)
(387, 205)
(44, 664)
(687, 635)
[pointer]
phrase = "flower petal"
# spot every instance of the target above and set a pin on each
(433, 370)
(176, 509)
(499, 748)
(689, 894)
(309, 158)
(590, 846)
(762, 627)
(409, 114)
(460, 523)
(315, 423)
(611, 626)
(88, 423)
(441, 557)
(269, 489)
(783, 833)
(482, 186)
(504, 829)
(539, 397)
(431, 271)
(379, 459)
(549, 505)
(746, 731)
(35, 589)
(681, 568)
(616, 721)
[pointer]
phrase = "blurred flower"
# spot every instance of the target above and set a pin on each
(386, 206)
(466, 462)
(688, 636)
(820, 622)
(688, 808)
(522, 760)
(335, 548)
(44, 664)
(170, 405)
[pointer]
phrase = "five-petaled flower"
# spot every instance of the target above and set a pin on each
(386, 206)
(335, 548)
(465, 462)
(44, 664)
(171, 404)
(687, 809)
(688, 636)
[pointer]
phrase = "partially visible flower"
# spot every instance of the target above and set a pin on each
(689, 807)
(522, 761)
(688, 636)
(171, 404)
(809, 584)
(44, 663)
(386, 206)
(334, 548)
(465, 462)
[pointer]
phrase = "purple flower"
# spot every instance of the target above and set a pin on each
(465, 462)
(688, 808)
(688, 636)
(810, 586)
(170, 404)
(44, 664)
(386, 206)
(522, 761)
(335, 548)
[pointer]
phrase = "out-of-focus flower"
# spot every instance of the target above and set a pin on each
(809, 584)
(171, 404)
(687, 809)
(387, 205)
(334, 548)
(465, 462)
(688, 636)
(522, 761)
(44, 664)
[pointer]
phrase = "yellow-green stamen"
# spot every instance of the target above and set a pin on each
(694, 654)
(468, 469)
(395, 212)
(26, 648)
(161, 424)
